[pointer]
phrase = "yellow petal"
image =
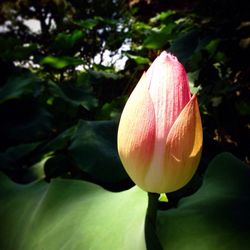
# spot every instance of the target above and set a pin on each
(183, 148)
(136, 133)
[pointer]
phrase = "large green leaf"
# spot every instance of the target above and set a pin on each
(69, 214)
(17, 86)
(91, 146)
(215, 217)
(74, 95)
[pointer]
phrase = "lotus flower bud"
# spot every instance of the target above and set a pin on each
(160, 131)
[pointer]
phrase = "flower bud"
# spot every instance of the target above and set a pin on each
(160, 131)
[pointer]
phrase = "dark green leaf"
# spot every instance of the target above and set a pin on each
(56, 166)
(139, 59)
(95, 152)
(21, 150)
(163, 16)
(60, 142)
(243, 107)
(23, 121)
(65, 41)
(79, 96)
(217, 215)
(74, 95)
(26, 84)
(159, 38)
(92, 145)
(60, 62)
(112, 110)
(88, 23)
(11, 49)
(184, 46)
(103, 74)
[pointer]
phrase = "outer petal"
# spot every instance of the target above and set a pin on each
(136, 133)
(169, 91)
(183, 148)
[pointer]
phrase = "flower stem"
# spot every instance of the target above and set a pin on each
(152, 241)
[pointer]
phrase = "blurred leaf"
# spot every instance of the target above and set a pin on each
(6, 163)
(184, 46)
(60, 142)
(79, 96)
(17, 162)
(94, 139)
(33, 173)
(84, 80)
(11, 49)
(212, 46)
(6, 43)
(220, 57)
(243, 107)
(112, 110)
(36, 172)
(16, 86)
(216, 101)
(206, 47)
(21, 150)
(60, 62)
(83, 143)
(103, 74)
(218, 213)
(159, 38)
(139, 59)
(192, 78)
(56, 166)
(109, 21)
(74, 95)
(163, 16)
(196, 61)
(23, 121)
(23, 52)
(141, 26)
(70, 214)
(88, 23)
(64, 41)
(10, 158)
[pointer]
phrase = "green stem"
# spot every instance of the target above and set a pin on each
(152, 241)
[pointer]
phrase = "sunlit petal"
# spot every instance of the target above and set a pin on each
(183, 147)
(136, 133)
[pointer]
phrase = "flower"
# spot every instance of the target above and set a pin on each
(160, 131)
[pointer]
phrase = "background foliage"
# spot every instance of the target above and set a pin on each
(67, 68)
